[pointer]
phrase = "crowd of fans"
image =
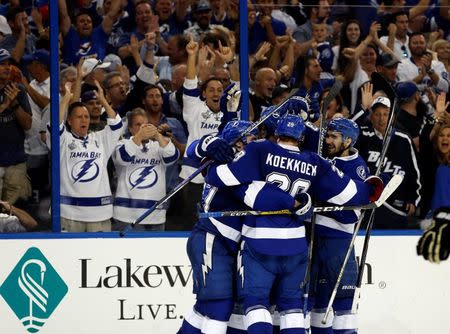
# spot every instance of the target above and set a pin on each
(167, 69)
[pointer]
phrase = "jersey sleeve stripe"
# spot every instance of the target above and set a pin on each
(273, 233)
(416, 167)
(191, 92)
(345, 195)
(124, 154)
(226, 176)
(334, 224)
(116, 126)
(226, 231)
(252, 192)
(174, 157)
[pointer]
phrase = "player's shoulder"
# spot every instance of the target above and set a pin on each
(260, 144)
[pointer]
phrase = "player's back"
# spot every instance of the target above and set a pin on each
(293, 172)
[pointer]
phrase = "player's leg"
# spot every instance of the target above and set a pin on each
(341, 321)
(290, 293)
(321, 290)
(256, 279)
(344, 321)
(212, 266)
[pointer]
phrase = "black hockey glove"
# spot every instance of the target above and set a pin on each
(434, 245)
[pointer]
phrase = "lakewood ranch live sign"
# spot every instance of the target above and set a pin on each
(143, 285)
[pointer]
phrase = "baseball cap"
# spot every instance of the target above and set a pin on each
(203, 5)
(4, 55)
(5, 29)
(114, 60)
(387, 60)
(406, 89)
(91, 64)
(381, 100)
(279, 90)
(88, 96)
(41, 55)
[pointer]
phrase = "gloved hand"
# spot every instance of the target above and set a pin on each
(377, 187)
(230, 100)
(303, 206)
(434, 244)
(215, 148)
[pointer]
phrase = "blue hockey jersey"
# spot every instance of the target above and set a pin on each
(293, 172)
(256, 195)
(342, 224)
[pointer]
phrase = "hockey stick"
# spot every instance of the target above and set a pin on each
(387, 191)
(334, 91)
(201, 168)
(393, 184)
(379, 80)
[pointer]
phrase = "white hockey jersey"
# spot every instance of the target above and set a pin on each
(85, 191)
(200, 121)
(141, 179)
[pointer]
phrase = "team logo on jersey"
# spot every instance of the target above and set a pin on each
(361, 171)
(85, 48)
(325, 53)
(85, 171)
(72, 145)
(143, 177)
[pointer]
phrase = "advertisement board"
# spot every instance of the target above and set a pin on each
(144, 285)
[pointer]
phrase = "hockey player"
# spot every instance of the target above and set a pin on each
(86, 201)
(274, 249)
(332, 238)
(213, 243)
(141, 163)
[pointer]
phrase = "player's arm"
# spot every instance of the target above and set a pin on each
(64, 18)
(168, 152)
(112, 16)
(335, 187)
(241, 170)
(263, 196)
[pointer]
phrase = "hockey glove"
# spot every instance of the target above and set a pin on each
(377, 187)
(215, 148)
(434, 245)
(304, 210)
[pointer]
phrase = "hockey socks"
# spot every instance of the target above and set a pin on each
(258, 321)
(192, 323)
(292, 323)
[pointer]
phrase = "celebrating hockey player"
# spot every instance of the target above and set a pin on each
(332, 238)
(274, 248)
(213, 243)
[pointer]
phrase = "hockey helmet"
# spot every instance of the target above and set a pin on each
(297, 105)
(346, 127)
(233, 130)
(271, 122)
(291, 126)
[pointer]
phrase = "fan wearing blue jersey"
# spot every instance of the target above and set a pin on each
(332, 238)
(274, 248)
(213, 243)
